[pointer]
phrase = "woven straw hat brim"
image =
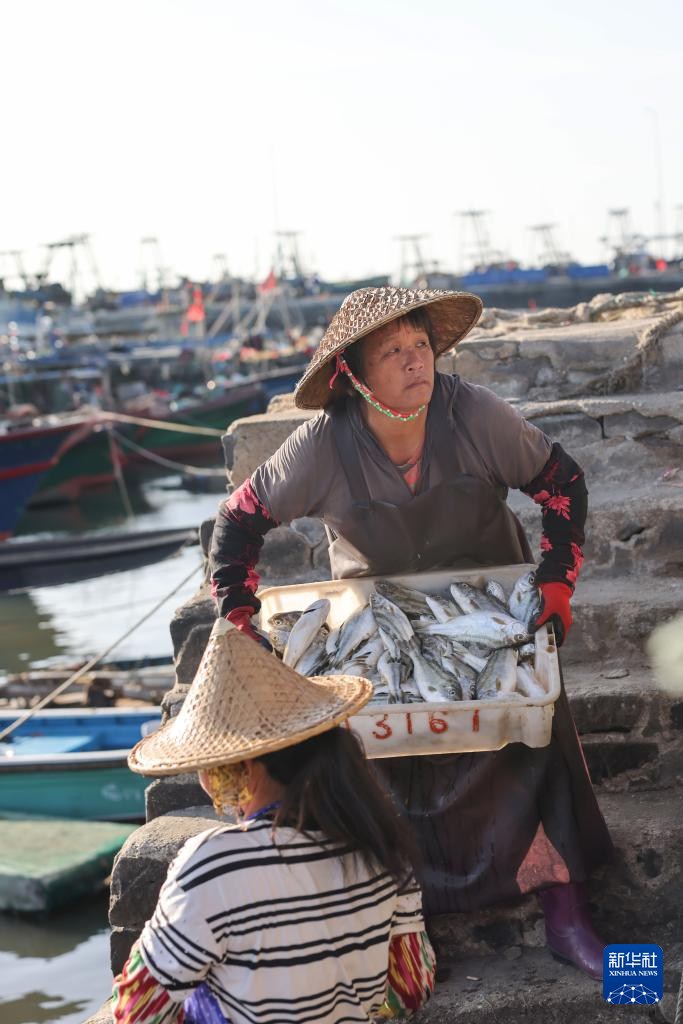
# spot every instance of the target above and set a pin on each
(245, 703)
(452, 316)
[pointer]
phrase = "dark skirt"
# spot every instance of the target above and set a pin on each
(495, 825)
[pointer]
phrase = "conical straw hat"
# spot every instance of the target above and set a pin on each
(452, 316)
(242, 704)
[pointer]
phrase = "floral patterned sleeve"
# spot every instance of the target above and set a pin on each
(138, 998)
(560, 490)
(241, 524)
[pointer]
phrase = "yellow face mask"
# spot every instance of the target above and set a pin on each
(227, 786)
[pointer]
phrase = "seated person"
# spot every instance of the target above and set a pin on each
(303, 910)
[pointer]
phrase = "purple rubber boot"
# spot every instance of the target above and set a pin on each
(569, 930)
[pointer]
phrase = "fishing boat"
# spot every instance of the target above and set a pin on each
(47, 563)
(74, 764)
(27, 455)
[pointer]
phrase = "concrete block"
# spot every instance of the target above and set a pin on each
(571, 430)
(255, 438)
(190, 628)
(633, 424)
(174, 793)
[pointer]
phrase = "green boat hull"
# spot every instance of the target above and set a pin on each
(108, 793)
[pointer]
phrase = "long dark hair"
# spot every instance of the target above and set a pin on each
(329, 788)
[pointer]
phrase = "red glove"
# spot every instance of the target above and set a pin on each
(241, 618)
(555, 598)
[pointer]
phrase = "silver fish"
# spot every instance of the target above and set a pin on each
(305, 630)
(527, 651)
(434, 686)
(314, 659)
(389, 672)
(278, 639)
(331, 642)
(525, 601)
(499, 677)
(391, 619)
(355, 631)
(286, 620)
(412, 602)
(476, 662)
(441, 610)
(495, 590)
(462, 598)
(482, 602)
(528, 685)
(279, 627)
(481, 628)
(409, 691)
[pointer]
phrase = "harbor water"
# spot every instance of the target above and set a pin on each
(56, 969)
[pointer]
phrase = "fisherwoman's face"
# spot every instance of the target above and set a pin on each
(398, 365)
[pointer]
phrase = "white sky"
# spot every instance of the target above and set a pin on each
(209, 123)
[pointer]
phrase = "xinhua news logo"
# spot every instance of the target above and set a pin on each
(632, 973)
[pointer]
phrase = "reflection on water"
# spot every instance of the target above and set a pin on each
(55, 969)
(79, 619)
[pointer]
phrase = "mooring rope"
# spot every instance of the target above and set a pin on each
(182, 428)
(160, 460)
(93, 661)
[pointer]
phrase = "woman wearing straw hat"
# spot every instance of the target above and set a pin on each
(307, 909)
(409, 470)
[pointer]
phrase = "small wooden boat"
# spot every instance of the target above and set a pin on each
(74, 764)
(46, 563)
(101, 687)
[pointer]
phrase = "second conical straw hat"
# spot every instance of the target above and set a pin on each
(242, 704)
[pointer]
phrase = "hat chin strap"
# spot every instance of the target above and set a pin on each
(370, 397)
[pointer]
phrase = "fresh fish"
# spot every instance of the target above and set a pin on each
(481, 601)
(499, 677)
(331, 642)
(355, 631)
(442, 611)
(391, 619)
(409, 691)
(304, 630)
(278, 639)
(284, 620)
(462, 598)
(389, 671)
(390, 644)
(280, 626)
(525, 601)
(412, 602)
(528, 685)
(433, 685)
(314, 659)
(482, 628)
(476, 662)
(369, 653)
(527, 651)
(495, 590)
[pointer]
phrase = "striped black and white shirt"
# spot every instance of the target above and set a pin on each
(284, 928)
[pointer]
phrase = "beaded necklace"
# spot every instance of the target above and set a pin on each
(370, 397)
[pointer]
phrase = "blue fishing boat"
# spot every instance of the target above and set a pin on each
(73, 764)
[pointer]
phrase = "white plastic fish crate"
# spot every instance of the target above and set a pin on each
(394, 730)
